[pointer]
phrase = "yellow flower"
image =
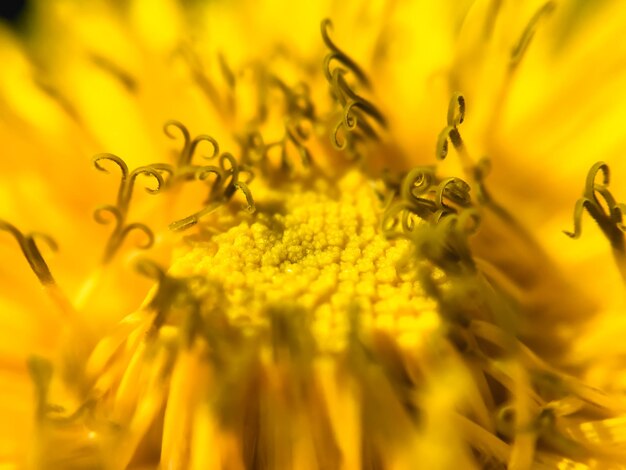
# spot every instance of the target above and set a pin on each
(348, 285)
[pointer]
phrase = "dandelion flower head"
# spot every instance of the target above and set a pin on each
(349, 252)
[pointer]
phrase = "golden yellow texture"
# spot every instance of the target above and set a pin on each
(325, 255)
(321, 330)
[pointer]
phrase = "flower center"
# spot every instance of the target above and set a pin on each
(322, 252)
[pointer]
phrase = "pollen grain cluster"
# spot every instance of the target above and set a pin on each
(321, 249)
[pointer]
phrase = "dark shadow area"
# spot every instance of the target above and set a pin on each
(13, 11)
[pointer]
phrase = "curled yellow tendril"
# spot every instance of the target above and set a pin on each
(184, 167)
(31, 251)
(297, 135)
(204, 173)
(127, 180)
(297, 98)
(299, 115)
(224, 187)
(256, 152)
(417, 182)
(409, 201)
(121, 230)
(600, 204)
(337, 55)
(455, 190)
(356, 110)
(420, 196)
(118, 213)
(476, 172)
(456, 114)
(450, 133)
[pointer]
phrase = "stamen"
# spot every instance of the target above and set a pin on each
(454, 189)
(456, 110)
(419, 199)
(203, 173)
(119, 212)
(139, 227)
(204, 138)
(31, 251)
(121, 165)
(251, 208)
(390, 219)
(183, 131)
(224, 187)
(107, 208)
(230, 167)
(190, 221)
(120, 231)
(339, 56)
(297, 134)
(297, 99)
(146, 171)
(350, 116)
(456, 116)
(517, 53)
(299, 112)
(165, 169)
(609, 216)
(349, 99)
(475, 172)
(448, 134)
(355, 108)
(417, 182)
(189, 144)
(40, 268)
(127, 181)
(345, 142)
